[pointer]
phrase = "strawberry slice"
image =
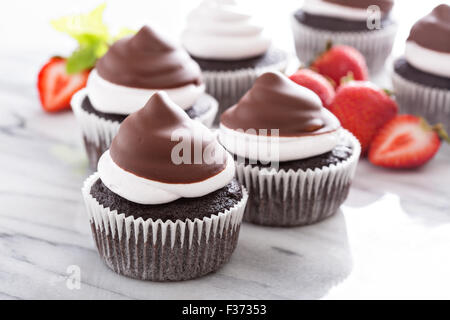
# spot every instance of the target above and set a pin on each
(56, 86)
(406, 142)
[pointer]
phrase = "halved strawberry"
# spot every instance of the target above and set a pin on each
(406, 142)
(56, 86)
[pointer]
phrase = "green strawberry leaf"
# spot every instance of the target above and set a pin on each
(81, 59)
(84, 27)
(92, 35)
(101, 49)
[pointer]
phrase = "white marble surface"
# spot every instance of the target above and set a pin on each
(391, 238)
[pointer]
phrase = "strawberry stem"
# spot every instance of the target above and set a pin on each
(349, 77)
(438, 128)
(328, 46)
(390, 93)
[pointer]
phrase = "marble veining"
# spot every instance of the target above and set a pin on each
(390, 239)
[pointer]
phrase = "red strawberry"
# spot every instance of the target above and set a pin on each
(406, 142)
(341, 61)
(363, 109)
(315, 82)
(56, 87)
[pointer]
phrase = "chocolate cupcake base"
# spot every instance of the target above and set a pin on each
(432, 103)
(375, 45)
(146, 261)
(291, 207)
(98, 129)
(287, 198)
(162, 251)
(94, 150)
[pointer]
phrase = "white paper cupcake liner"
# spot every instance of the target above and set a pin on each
(374, 45)
(295, 198)
(229, 86)
(413, 98)
(98, 132)
(162, 251)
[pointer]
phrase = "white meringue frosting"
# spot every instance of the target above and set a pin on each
(278, 120)
(323, 8)
(275, 149)
(109, 97)
(220, 30)
(427, 60)
(160, 155)
(147, 191)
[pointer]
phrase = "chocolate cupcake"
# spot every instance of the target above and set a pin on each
(291, 153)
(421, 78)
(231, 49)
(160, 214)
(349, 22)
(132, 70)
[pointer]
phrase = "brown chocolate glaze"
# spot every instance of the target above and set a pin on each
(385, 5)
(275, 102)
(143, 144)
(433, 30)
(148, 61)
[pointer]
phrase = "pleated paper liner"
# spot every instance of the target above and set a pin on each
(375, 45)
(98, 132)
(413, 98)
(163, 251)
(295, 198)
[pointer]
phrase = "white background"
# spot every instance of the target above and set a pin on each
(24, 25)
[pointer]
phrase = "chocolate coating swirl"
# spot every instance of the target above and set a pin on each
(433, 30)
(143, 145)
(148, 61)
(276, 102)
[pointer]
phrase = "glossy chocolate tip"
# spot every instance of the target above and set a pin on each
(167, 113)
(146, 138)
(442, 12)
(433, 30)
(148, 38)
(276, 102)
(148, 60)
